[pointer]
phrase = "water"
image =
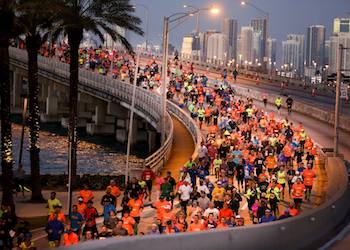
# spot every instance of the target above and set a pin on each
(96, 154)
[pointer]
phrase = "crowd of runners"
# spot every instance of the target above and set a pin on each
(252, 167)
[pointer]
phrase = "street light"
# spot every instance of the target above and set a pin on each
(147, 21)
(267, 17)
(177, 17)
(197, 21)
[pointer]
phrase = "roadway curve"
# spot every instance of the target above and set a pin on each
(320, 131)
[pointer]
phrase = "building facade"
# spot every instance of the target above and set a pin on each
(246, 44)
(217, 50)
(260, 25)
(344, 39)
(315, 45)
(230, 29)
(341, 25)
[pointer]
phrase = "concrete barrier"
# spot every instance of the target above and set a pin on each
(292, 233)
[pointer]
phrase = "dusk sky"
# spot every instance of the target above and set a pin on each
(286, 16)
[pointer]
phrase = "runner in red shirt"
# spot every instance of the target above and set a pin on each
(148, 176)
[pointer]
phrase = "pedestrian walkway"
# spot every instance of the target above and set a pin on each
(182, 150)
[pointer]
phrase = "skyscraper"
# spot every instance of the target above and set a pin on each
(257, 46)
(187, 46)
(260, 24)
(217, 50)
(341, 25)
(315, 45)
(246, 44)
(290, 57)
(327, 51)
(204, 43)
(294, 52)
(230, 29)
(344, 39)
(271, 50)
(341, 35)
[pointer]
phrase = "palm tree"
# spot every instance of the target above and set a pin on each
(97, 17)
(33, 18)
(7, 18)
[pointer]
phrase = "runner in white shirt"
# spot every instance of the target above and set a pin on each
(203, 187)
(211, 209)
(185, 192)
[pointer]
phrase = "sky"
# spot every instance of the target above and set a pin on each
(286, 16)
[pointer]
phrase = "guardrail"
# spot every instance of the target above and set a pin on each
(301, 232)
(147, 104)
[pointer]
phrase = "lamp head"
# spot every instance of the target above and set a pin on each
(243, 3)
(214, 10)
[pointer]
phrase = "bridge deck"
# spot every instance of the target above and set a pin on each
(182, 149)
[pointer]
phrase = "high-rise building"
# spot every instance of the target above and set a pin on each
(246, 44)
(327, 51)
(271, 50)
(216, 50)
(341, 25)
(339, 38)
(294, 52)
(230, 29)
(204, 43)
(257, 47)
(290, 56)
(315, 45)
(187, 46)
(260, 24)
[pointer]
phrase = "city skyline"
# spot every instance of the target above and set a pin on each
(323, 13)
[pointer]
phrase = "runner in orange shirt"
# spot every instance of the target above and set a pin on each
(270, 163)
(81, 206)
(168, 215)
(135, 205)
(128, 223)
(309, 176)
(225, 212)
(298, 190)
(196, 225)
(160, 206)
(86, 194)
(222, 223)
(115, 191)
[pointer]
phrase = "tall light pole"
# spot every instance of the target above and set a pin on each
(147, 21)
(131, 121)
(267, 17)
(177, 17)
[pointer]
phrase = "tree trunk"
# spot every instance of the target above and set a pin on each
(33, 43)
(5, 113)
(74, 38)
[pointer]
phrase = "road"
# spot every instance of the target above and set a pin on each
(320, 131)
(323, 100)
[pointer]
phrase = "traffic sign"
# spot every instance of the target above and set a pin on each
(344, 91)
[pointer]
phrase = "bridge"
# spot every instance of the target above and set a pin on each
(313, 225)
(101, 98)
